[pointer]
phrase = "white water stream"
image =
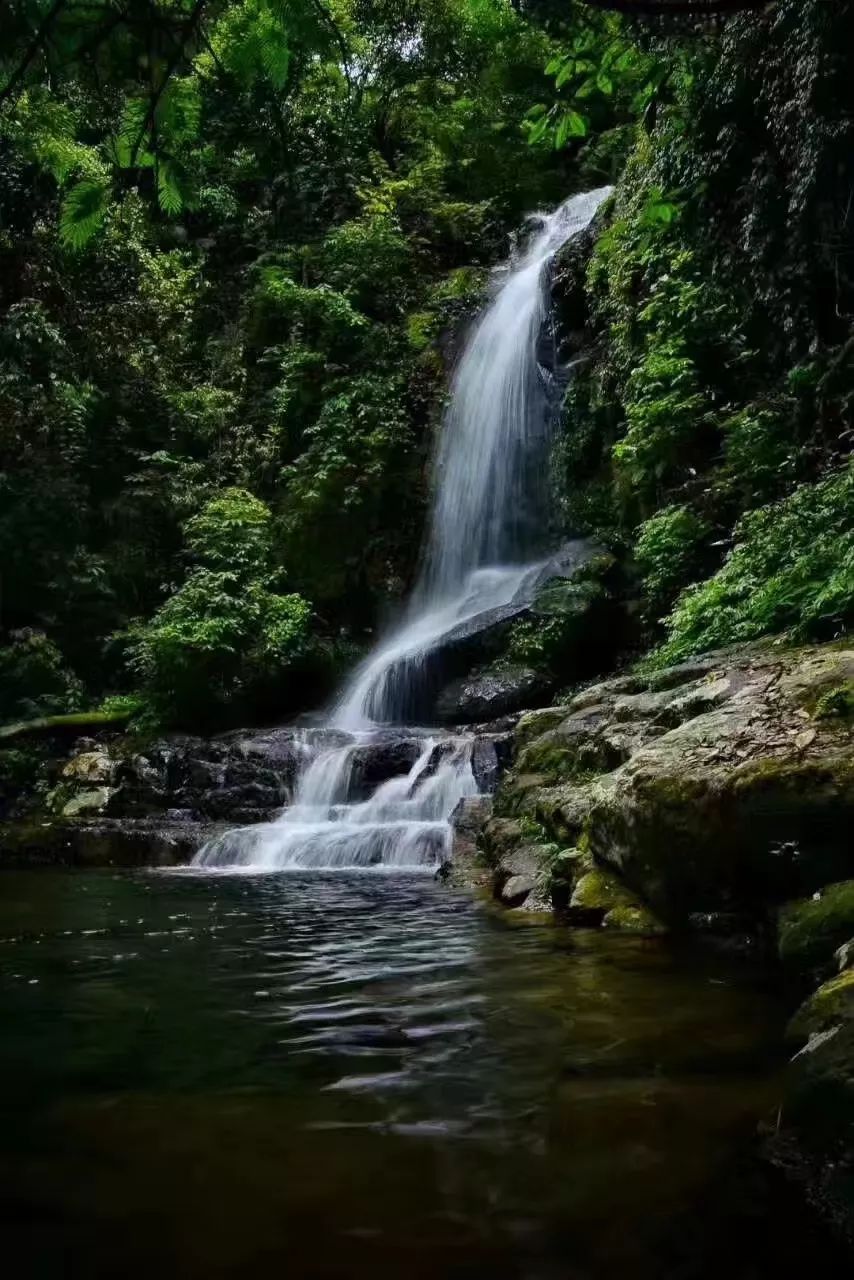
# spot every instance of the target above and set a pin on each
(487, 523)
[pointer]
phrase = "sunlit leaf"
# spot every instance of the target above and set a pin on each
(571, 125)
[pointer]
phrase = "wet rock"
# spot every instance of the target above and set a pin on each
(203, 775)
(844, 956)
(490, 694)
(741, 803)
(633, 919)
(720, 924)
(376, 762)
(811, 930)
(515, 891)
(486, 763)
(500, 836)
(86, 803)
(470, 816)
(467, 867)
(815, 1129)
(707, 788)
(91, 766)
(102, 842)
(830, 1006)
(228, 802)
(596, 894)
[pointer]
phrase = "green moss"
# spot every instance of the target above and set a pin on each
(76, 722)
(812, 929)
(563, 867)
(633, 919)
(831, 1004)
(548, 758)
(598, 891)
(535, 723)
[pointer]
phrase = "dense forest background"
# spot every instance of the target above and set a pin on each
(238, 242)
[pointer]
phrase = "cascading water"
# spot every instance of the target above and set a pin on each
(487, 525)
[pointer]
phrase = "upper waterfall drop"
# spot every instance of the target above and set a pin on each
(489, 503)
(490, 507)
(484, 549)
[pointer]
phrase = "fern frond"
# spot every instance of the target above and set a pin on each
(170, 197)
(83, 210)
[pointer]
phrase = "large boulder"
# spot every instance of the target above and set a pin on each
(812, 930)
(814, 1136)
(488, 694)
(468, 676)
(710, 789)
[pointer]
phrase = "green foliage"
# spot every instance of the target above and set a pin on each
(233, 238)
(34, 679)
(836, 703)
(669, 553)
(20, 775)
(83, 211)
(716, 411)
(227, 635)
(233, 531)
(600, 75)
(791, 570)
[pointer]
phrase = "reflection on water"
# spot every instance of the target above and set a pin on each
(355, 1076)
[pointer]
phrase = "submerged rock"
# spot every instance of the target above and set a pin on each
(633, 919)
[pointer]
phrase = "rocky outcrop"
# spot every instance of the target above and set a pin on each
(485, 695)
(710, 789)
(472, 675)
(123, 802)
(715, 797)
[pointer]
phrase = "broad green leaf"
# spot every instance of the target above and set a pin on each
(538, 131)
(571, 125)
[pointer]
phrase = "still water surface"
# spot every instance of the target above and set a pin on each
(369, 1076)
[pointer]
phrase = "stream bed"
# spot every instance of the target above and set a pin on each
(367, 1075)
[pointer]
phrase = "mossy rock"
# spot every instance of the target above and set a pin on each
(811, 930)
(597, 891)
(564, 867)
(828, 1007)
(88, 803)
(534, 723)
(633, 919)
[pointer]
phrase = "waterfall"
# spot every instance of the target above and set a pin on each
(490, 508)
(485, 546)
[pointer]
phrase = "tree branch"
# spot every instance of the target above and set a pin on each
(171, 66)
(328, 19)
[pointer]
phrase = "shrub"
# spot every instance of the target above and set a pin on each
(227, 639)
(669, 554)
(34, 680)
(791, 570)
